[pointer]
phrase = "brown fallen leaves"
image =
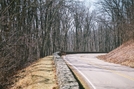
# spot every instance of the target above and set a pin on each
(122, 55)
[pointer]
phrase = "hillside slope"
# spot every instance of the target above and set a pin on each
(39, 75)
(122, 55)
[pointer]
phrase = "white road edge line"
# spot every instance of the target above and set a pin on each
(81, 74)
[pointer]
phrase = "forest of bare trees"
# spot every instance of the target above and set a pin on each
(31, 29)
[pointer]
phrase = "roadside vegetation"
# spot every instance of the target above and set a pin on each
(39, 75)
(122, 55)
(121, 13)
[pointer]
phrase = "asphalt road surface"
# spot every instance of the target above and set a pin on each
(99, 74)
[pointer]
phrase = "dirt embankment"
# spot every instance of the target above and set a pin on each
(39, 75)
(122, 55)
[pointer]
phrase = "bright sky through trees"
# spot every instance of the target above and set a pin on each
(90, 3)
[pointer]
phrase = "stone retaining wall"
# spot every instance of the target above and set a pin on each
(65, 77)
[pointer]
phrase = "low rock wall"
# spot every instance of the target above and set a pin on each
(65, 77)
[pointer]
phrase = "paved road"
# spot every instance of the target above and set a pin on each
(99, 74)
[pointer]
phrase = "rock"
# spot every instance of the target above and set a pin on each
(65, 77)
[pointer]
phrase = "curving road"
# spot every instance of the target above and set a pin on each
(98, 74)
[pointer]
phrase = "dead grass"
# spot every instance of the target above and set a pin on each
(122, 55)
(40, 75)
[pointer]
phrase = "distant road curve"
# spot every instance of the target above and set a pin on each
(98, 74)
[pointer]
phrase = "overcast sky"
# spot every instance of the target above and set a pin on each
(90, 3)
